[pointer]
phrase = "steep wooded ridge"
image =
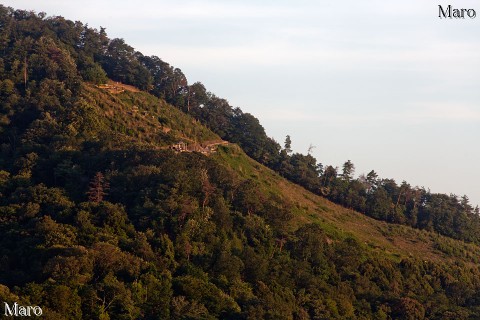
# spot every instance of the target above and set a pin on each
(102, 216)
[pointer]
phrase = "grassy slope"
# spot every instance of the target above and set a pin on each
(394, 241)
(138, 116)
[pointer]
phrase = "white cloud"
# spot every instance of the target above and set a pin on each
(433, 112)
(444, 112)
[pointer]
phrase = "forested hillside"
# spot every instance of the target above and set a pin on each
(102, 217)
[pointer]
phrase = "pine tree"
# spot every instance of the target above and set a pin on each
(348, 170)
(98, 188)
(288, 145)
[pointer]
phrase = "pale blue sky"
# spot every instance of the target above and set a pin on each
(384, 83)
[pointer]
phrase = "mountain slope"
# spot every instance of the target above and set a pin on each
(339, 222)
(146, 118)
(102, 218)
(140, 113)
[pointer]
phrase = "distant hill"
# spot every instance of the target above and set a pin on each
(126, 193)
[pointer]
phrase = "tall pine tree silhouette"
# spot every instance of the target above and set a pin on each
(98, 188)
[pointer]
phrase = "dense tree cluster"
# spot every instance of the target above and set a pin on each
(88, 231)
(183, 237)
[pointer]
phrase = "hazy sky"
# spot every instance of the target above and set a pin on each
(384, 83)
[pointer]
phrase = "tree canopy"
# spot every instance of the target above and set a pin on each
(101, 219)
